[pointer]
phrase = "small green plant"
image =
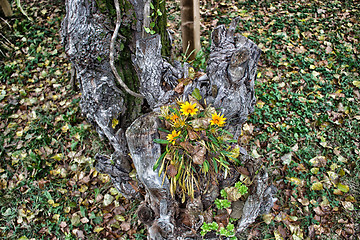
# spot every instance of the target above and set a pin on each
(243, 189)
(208, 227)
(222, 203)
(229, 231)
(223, 193)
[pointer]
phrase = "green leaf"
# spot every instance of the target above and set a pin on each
(215, 165)
(163, 130)
(161, 141)
(223, 193)
(147, 29)
(206, 166)
(159, 13)
(214, 226)
(152, 6)
(196, 94)
(152, 24)
(228, 133)
(73, 145)
(97, 191)
(157, 163)
(83, 211)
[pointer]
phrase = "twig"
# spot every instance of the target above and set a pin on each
(112, 44)
(22, 10)
(5, 22)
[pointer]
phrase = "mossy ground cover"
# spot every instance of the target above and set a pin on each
(305, 128)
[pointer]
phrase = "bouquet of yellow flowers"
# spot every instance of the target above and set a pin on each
(194, 142)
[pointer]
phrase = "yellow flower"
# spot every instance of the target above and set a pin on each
(174, 117)
(179, 123)
(188, 108)
(217, 120)
(172, 136)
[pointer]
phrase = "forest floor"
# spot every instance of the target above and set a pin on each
(305, 128)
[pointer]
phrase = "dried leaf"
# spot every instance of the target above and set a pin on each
(286, 159)
(98, 229)
(296, 181)
(171, 170)
(334, 178)
(114, 123)
(318, 211)
(304, 201)
(268, 218)
(179, 88)
(356, 83)
(314, 170)
(343, 188)
(199, 155)
(125, 226)
(319, 161)
(317, 186)
(188, 147)
(348, 205)
(200, 123)
(75, 219)
(233, 194)
(108, 199)
(296, 231)
(193, 135)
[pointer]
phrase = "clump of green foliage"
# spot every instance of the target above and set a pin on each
(195, 143)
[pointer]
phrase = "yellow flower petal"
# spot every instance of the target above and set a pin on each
(188, 108)
(218, 120)
(172, 136)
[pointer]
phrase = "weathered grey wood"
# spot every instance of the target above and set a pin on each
(229, 85)
(154, 72)
(86, 37)
(231, 71)
(145, 152)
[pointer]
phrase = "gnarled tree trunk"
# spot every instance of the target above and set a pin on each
(229, 84)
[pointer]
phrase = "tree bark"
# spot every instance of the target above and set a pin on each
(228, 85)
(6, 8)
